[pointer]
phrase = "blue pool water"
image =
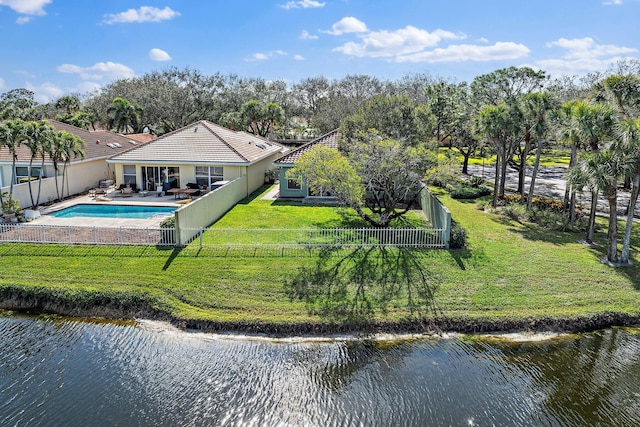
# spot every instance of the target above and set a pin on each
(113, 211)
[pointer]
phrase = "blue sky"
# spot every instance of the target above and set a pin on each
(55, 47)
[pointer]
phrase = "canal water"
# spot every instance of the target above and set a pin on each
(56, 372)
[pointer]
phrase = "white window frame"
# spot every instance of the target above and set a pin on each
(126, 176)
(209, 174)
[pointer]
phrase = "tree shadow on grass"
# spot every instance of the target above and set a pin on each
(535, 232)
(355, 285)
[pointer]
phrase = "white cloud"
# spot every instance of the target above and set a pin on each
(100, 71)
(27, 7)
(2, 84)
(483, 40)
(612, 3)
(467, 52)
(160, 55)
(583, 56)
(306, 36)
(588, 48)
(302, 4)
(298, 57)
(143, 14)
(377, 44)
(260, 56)
(348, 24)
(85, 87)
(23, 20)
(46, 92)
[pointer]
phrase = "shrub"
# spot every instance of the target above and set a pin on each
(468, 192)
(167, 231)
(547, 203)
(458, 237)
(169, 222)
(514, 211)
(475, 181)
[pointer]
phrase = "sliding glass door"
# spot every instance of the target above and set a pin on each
(154, 176)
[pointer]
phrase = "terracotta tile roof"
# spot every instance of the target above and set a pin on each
(203, 142)
(141, 137)
(328, 140)
(109, 143)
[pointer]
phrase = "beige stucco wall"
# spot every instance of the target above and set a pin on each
(86, 175)
(256, 172)
(206, 210)
(80, 178)
(6, 175)
(187, 172)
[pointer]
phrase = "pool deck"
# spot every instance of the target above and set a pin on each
(115, 198)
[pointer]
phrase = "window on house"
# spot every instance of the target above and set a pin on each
(129, 174)
(22, 173)
(207, 175)
(292, 184)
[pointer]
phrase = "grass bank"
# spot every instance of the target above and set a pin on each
(511, 276)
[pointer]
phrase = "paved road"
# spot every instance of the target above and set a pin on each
(551, 182)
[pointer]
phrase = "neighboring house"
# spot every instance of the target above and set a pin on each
(141, 137)
(82, 173)
(290, 187)
(203, 153)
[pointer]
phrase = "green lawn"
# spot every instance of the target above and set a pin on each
(549, 157)
(255, 213)
(508, 271)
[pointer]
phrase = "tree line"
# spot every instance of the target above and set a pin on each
(390, 128)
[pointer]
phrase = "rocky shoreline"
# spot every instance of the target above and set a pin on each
(38, 304)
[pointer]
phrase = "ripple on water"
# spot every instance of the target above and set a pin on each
(74, 373)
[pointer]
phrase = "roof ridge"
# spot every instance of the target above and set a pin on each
(135, 147)
(308, 144)
(206, 124)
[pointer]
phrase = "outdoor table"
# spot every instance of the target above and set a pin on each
(182, 192)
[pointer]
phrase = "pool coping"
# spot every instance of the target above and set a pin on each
(136, 200)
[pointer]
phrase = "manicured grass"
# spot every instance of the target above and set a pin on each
(255, 213)
(508, 271)
(549, 157)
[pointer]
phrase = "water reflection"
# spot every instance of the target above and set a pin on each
(72, 373)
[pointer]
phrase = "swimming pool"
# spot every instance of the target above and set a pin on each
(113, 211)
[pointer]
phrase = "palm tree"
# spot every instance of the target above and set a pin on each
(12, 135)
(496, 122)
(586, 174)
(69, 103)
(38, 138)
(65, 147)
(123, 115)
(630, 143)
(569, 136)
(538, 106)
(600, 171)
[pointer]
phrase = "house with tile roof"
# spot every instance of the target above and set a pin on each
(81, 174)
(290, 187)
(202, 153)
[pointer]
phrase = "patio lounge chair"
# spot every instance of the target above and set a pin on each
(127, 192)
